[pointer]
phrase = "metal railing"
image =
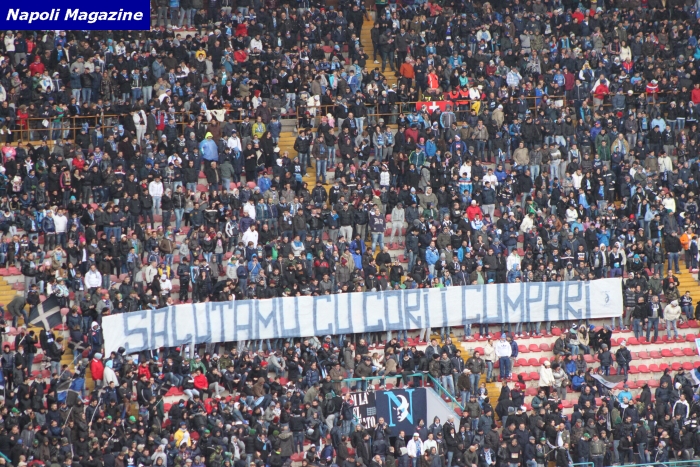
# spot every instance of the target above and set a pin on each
(442, 392)
(318, 111)
(669, 463)
(426, 381)
(352, 382)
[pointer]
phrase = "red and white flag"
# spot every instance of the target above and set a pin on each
(431, 106)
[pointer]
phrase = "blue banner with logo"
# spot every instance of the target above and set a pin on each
(402, 409)
(75, 15)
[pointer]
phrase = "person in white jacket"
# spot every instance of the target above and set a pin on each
(93, 279)
(250, 235)
(489, 359)
(414, 447)
(527, 223)
(398, 223)
(155, 189)
(672, 313)
(546, 378)
(140, 121)
(109, 376)
(503, 352)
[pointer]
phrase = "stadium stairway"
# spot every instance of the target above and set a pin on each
(366, 41)
(688, 282)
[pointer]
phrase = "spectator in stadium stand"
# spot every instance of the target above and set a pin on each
(535, 142)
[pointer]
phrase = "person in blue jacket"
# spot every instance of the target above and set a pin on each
(208, 148)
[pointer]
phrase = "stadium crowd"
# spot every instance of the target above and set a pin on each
(525, 141)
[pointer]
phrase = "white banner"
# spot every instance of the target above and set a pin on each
(352, 313)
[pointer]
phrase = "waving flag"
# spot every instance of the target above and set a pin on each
(47, 315)
(431, 106)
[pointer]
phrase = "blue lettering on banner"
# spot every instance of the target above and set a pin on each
(176, 324)
(569, 299)
(554, 291)
(140, 331)
(271, 317)
(370, 310)
(320, 307)
(243, 330)
(219, 311)
(409, 309)
(393, 308)
(531, 299)
(205, 326)
(155, 333)
(343, 317)
(352, 313)
(293, 331)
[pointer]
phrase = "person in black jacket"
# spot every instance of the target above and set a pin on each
(166, 205)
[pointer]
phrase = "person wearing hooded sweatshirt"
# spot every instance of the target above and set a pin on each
(108, 375)
(672, 313)
(208, 148)
(97, 370)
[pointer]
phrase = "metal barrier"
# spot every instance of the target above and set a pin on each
(669, 463)
(444, 392)
(382, 379)
(425, 378)
(405, 107)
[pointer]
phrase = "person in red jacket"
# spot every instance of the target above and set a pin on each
(600, 92)
(144, 370)
(37, 67)
(97, 369)
(201, 383)
(473, 210)
(695, 95)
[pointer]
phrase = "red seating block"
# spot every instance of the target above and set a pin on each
(174, 392)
